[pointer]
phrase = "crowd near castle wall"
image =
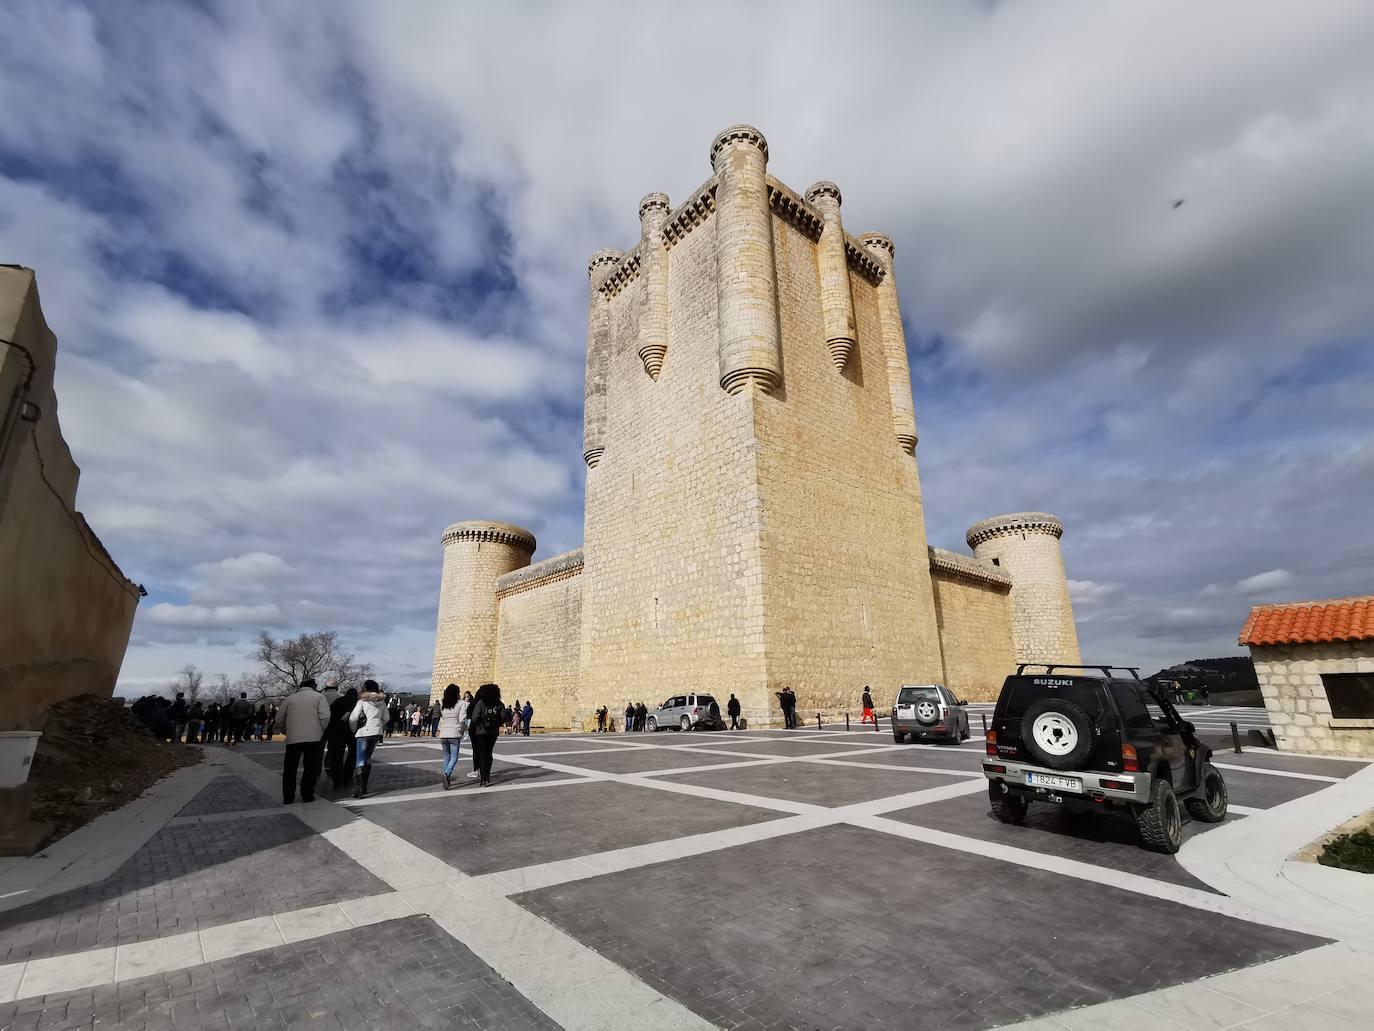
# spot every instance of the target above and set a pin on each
(65, 608)
(539, 642)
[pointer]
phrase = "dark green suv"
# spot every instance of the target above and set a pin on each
(1099, 740)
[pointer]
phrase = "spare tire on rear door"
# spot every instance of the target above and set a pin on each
(1058, 733)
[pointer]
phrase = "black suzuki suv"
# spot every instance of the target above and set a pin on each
(1106, 740)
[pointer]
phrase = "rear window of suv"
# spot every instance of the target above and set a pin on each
(1020, 692)
(912, 695)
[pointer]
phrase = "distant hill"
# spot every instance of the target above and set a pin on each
(1228, 673)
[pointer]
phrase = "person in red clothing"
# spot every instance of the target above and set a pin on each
(868, 708)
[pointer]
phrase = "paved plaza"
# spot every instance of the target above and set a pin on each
(814, 878)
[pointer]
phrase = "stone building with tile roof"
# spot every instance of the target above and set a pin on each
(1315, 663)
(753, 514)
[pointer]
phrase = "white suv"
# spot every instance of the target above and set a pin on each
(681, 712)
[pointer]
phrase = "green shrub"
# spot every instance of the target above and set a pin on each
(1350, 852)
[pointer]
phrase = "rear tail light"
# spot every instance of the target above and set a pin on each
(994, 768)
(696, 711)
(1117, 785)
(992, 742)
(1129, 761)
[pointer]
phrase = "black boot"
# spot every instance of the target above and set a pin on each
(362, 781)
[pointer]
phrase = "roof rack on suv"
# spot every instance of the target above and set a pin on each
(1134, 671)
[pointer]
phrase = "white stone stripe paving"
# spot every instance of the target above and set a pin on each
(461, 789)
(95, 967)
(1264, 771)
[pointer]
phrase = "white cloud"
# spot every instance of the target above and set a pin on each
(207, 617)
(1262, 583)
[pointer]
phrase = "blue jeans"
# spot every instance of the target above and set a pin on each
(451, 747)
(365, 747)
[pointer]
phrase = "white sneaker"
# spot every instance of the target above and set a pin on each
(472, 775)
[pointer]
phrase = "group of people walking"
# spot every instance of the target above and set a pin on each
(341, 735)
(227, 723)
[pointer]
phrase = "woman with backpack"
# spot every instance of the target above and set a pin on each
(486, 716)
(452, 721)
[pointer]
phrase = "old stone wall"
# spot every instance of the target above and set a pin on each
(65, 607)
(847, 587)
(973, 612)
(539, 642)
(1299, 711)
(672, 584)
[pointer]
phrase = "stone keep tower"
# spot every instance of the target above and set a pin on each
(753, 509)
(475, 554)
(1026, 546)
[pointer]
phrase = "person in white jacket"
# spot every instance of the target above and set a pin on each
(303, 717)
(369, 716)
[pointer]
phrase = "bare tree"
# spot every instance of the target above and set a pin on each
(219, 691)
(188, 681)
(284, 663)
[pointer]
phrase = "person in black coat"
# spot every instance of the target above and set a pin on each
(788, 701)
(732, 707)
(339, 738)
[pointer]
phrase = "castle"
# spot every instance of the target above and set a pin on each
(753, 511)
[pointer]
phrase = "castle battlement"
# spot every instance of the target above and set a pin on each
(753, 509)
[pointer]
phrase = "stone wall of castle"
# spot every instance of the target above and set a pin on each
(672, 583)
(539, 643)
(973, 611)
(847, 585)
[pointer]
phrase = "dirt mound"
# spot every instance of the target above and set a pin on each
(94, 756)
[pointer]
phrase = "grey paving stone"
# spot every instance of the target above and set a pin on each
(1103, 839)
(783, 747)
(815, 783)
(641, 760)
(847, 928)
(953, 759)
(1266, 760)
(501, 831)
(1262, 791)
(189, 877)
(226, 794)
(397, 975)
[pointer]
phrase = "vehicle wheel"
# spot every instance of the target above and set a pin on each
(1006, 807)
(899, 738)
(927, 712)
(1208, 805)
(1058, 733)
(653, 723)
(685, 723)
(1161, 822)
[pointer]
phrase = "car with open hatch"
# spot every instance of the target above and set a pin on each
(928, 712)
(1099, 738)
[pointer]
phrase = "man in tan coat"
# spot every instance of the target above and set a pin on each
(303, 717)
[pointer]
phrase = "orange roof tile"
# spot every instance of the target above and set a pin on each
(1311, 622)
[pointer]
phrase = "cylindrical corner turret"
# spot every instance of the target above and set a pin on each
(894, 342)
(1025, 545)
(837, 299)
(653, 263)
(746, 286)
(599, 268)
(476, 553)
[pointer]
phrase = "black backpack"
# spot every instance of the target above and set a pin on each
(491, 718)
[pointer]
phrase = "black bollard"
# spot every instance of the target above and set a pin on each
(818, 721)
(985, 724)
(1235, 738)
(846, 721)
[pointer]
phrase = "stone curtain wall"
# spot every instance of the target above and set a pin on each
(672, 585)
(539, 647)
(65, 607)
(975, 635)
(847, 581)
(1299, 711)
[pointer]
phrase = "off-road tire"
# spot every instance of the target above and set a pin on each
(1208, 804)
(1008, 808)
(1077, 757)
(1160, 822)
(652, 724)
(685, 723)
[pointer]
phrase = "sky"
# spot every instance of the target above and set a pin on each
(318, 277)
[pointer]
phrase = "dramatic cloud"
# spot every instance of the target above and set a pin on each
(318, 275)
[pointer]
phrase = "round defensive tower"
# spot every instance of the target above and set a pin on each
(1025, 546)
(476, 552)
